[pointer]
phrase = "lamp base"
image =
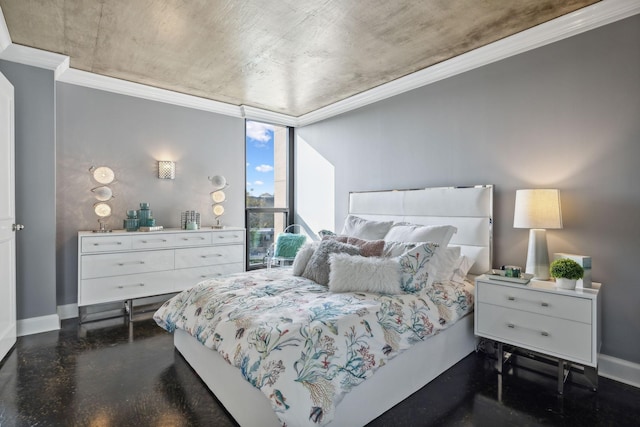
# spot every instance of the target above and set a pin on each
(538, 254)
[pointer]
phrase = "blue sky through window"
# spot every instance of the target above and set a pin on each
(259, 158)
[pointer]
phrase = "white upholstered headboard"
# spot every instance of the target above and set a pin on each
(470, 209)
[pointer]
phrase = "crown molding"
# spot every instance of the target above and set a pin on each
(5, 37)
(36, 58)
(258, 114)
(588, 18)
(123, 87)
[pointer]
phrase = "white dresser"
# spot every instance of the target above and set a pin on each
(564, 324)
(122, 265)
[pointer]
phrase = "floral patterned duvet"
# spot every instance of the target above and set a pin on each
(301, 345)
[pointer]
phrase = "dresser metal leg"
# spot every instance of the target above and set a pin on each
(500, 358)
(561, 376)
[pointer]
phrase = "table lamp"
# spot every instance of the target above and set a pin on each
(538, 210)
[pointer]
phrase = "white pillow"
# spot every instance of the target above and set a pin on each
(395, 249)
(302, 258)
(414, 268)
(461, 268)
(443, 263)
(402, 232)
(355, 273)
(365, 229)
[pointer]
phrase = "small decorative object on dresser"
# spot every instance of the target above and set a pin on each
(566, 272)
(585, 263)
(104, 176)
(218, 196)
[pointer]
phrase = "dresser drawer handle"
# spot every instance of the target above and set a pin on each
(204, 276)
(122, 264)
(212, 255)
(129, 286)
(107, 243)
(511, 325)
(186, 239)
(511, 298)
(156, 240)
(544, 334)
(544, 304)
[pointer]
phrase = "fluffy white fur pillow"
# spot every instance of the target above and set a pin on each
(302, 258)
(364, 274)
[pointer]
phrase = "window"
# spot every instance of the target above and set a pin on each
(268, 153)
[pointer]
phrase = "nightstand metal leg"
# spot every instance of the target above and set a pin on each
(591, 374)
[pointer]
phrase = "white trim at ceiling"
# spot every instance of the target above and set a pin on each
(5, 37)
(588, 18)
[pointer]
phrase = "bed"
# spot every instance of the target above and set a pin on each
(399, 372)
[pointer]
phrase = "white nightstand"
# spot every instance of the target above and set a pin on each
(563, 324)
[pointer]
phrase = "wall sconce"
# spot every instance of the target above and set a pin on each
(102, 175)
(166, 169)
(538, 210)
(218, 196)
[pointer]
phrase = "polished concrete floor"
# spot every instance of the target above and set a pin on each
(116, 373)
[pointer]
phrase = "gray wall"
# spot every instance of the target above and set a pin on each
(35, 150)
(563, 116)
(130, 135)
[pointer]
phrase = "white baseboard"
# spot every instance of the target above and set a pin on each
(69, 311)
(619, 370)
(36, 325)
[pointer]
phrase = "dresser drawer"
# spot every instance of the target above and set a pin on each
(545, 303)
(152, 241)
(559, 337)
(193, 239)
(199, 257)
(224, 237)
(105, 243)
(120, 288)
(104, 265)
(190, 277)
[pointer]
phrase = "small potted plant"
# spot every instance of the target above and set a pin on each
(566, 272)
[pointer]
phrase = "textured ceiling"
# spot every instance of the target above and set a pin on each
(285, 56)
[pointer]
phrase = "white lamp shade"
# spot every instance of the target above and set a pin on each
(539, 208)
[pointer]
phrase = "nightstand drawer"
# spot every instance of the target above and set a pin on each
(545, 303)
(103, 265)
(563, 338)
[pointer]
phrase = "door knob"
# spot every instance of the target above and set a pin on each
(17, 227)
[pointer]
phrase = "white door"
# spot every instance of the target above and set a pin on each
(7, 221)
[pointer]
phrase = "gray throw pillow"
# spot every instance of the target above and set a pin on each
(318, 268)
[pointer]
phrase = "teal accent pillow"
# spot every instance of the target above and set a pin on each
(287, 245)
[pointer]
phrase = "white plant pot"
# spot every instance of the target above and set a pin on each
(563, 283)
